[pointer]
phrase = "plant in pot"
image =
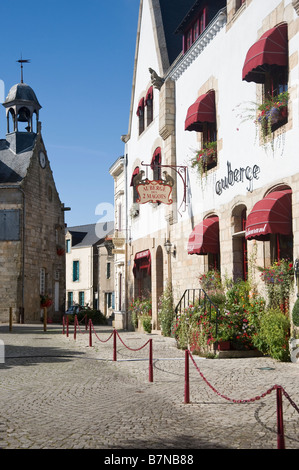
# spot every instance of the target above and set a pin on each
(205, 158)
(272, 113)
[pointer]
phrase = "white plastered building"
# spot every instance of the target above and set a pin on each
(195, 79)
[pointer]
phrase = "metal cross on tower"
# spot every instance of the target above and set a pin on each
(22, 61)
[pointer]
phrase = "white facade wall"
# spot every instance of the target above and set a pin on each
(219, 67)
(141, 148)
(85, 283)
(117, 171)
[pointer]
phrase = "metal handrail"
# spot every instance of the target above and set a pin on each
(190, 296)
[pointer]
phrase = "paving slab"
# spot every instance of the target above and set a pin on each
(58, 392)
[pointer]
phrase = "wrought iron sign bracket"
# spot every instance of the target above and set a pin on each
(182, 172)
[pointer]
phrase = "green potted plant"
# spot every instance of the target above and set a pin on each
(140, 308)
(146, 321)
(166, 311)
(295, 313)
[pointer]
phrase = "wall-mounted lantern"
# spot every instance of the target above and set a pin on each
(168, 246)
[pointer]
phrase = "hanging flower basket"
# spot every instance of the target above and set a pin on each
(273, 113)
(45, 301)
(205, 158)
(60, 251)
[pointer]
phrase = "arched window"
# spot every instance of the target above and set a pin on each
(201, 117)
(271, 220)
(156, 164)
(267, 63)
(135, 192)
(140, 114)
(149, 106)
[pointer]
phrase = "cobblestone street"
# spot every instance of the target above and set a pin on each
(57, 392)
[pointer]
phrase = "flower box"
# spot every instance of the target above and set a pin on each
(205, 159)
(273, 113)
(224, 346)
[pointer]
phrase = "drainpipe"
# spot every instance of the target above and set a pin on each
(23, 246)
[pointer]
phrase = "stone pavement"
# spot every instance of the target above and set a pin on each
(57, 392)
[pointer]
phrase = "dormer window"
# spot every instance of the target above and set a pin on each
(239, 3)
(195, 29)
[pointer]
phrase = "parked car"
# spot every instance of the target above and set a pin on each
(74, 309)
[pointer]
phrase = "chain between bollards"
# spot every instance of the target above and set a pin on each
(114, 334)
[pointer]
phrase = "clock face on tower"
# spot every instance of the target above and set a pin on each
(42, 159)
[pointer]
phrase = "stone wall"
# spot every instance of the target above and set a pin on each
(44, 233)
(11, 259)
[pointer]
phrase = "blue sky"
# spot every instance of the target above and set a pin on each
(81, 69)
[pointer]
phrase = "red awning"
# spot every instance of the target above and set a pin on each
(149, 95)
(273, 214)
(205, 237)
(142, 260)
(140, 106)
(135, 172)
(203, 110)
(156, 158)
(270, 49)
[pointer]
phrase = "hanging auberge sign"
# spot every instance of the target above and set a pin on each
(155, 191)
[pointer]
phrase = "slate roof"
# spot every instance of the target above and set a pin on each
(86, 235)
(176, 16)
(213, 7)
(21, 92)
(15, 155)
(173, 12)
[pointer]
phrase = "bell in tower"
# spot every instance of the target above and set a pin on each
(21, 104)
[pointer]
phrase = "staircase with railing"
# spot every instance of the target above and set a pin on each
(191, 296)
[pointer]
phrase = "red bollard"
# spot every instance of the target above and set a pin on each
(280, 431)
(114, 345)
(67, 326)
(151, 360)
(187, 389)
(75, 327)
(63, 324)
(90, 335)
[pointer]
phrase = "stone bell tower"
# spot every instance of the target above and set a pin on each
(32, 268)
(21, 105)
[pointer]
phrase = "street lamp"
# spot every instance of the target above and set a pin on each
(168, 246)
